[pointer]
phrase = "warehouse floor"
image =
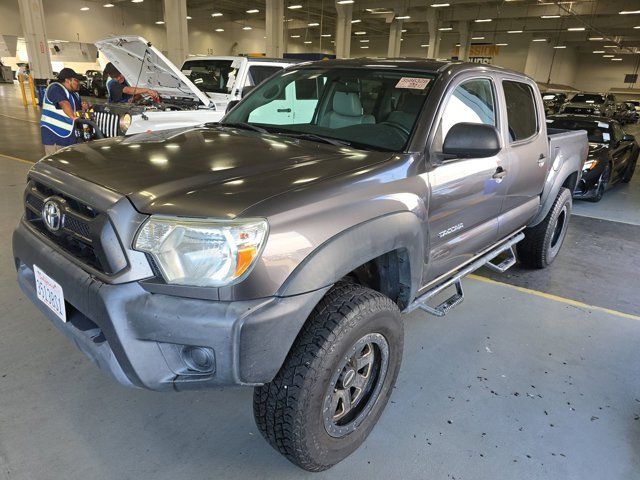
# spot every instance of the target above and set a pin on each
(534, 376)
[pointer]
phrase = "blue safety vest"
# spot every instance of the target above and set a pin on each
(54, 119)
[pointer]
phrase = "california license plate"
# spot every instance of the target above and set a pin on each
(50, 293)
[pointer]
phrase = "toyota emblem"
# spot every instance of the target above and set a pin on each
(52, 215)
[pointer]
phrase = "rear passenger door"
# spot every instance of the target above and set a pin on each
(466, 193)
(526, 154)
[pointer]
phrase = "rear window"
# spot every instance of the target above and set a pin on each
(521, 110)
(597, 132)
(587, 98)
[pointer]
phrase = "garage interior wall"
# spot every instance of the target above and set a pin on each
(67, 23)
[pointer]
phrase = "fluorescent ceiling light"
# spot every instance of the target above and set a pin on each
(629, 12)
(477, 38)
(439, 5)
(160, 22)
(360, 33)
(403, 30)
(344, 2)
(313, 24)
(253, 10)
(308, 41)
(550, 16)
(502, 44)
(423, 45)
(616, 59)
(596, 39)
(483, 20)
(445, 29)
(364, 46)
(188, 17)
(84, 9)
(514, 31)
(137, 1)
(219, 29)
(608, 56)
(325, 35)
(356, 21)
(611, 46)
(598, 51)
(247, 28)
(403, 17)
(108, 5)
(216, 14)
(364, 40)
(295, 36)
(539, 40)
(560, 46)
(637, 27)
(576, 29)
(294, 7)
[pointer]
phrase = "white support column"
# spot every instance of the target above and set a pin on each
(465, 41)
(274, 26)
(434, 34)
(343, 30)
(175, 19)
(35, 35)
(395, 38)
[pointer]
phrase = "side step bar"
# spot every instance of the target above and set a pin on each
(456, 299)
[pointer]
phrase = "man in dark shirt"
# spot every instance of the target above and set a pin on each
(119, 90)
(60, 105)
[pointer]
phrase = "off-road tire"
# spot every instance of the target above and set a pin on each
(630, 170)
(542, 242)
(291, 412)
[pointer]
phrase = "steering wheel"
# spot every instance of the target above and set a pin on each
(87, 130)
(397, 126)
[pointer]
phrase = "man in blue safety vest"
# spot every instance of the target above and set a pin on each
(60, 105)
(119, 90)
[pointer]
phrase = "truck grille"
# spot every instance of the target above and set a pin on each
(82, 229)
(107, 122)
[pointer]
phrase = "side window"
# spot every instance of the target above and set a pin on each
(259, 73)
(521, 110)
(471, 102)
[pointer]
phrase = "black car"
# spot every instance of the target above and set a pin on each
(613, 153)
(553, 102)
(95, 83)
(599, 104)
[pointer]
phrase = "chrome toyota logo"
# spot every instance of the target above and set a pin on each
(52, 215)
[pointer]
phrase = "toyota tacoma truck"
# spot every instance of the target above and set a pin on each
(278, 248)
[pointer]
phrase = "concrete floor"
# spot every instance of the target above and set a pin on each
(514, 383)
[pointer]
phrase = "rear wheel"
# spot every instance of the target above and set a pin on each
(542, 242)
(336, 381)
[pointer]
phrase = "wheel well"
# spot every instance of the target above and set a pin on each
(571, 181)
(389, 274)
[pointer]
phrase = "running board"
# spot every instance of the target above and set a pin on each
(456, 280)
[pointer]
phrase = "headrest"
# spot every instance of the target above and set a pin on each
(347, 103)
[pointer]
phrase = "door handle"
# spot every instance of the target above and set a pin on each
(284, 110)
(541, 159)
(499, 174)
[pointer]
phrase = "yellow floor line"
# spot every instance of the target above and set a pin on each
(556, 298)
(16, 159)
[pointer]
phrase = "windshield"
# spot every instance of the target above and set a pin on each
(587, 98)
(208, 75)
(597, 132)
(363, 107)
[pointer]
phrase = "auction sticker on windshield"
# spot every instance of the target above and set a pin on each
(415, 83)
(50, 293)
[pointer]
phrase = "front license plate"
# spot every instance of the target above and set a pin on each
(50, 293)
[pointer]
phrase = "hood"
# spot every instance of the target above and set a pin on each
(143, 65)
(207, 172)
(596, 148)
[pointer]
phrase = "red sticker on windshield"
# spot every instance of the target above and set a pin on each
(415, 83)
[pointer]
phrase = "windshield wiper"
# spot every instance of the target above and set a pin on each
(317, 138)
(245, 126)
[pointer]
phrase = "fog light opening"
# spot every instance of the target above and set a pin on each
(199, 359)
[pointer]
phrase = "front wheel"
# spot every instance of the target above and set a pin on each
(336, 380)
(603, 181)
(629, 171)
(542, 242)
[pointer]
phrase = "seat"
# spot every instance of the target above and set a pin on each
(408, 108)
(347, 111)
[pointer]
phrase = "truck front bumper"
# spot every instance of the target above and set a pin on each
(164, 342)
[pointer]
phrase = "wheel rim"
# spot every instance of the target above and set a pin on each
(355, 385)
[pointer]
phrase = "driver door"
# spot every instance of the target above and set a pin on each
(466, 194)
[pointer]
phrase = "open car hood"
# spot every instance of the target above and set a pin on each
(143, 65)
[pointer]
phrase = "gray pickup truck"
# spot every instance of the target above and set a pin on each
(278, 248)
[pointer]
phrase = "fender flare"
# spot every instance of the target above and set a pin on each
(550, 192)
(337, 257)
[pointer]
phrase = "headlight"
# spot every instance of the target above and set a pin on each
(597, 112)
(200, 252)
(590, 164)
(125, 122)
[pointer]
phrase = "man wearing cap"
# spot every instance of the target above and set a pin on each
(60, 105)
(119, 91)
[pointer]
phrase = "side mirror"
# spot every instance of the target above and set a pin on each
(246, 90)
(471, 140)
(230, 105)
(628, 138)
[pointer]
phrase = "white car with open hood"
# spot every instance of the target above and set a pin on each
(196, 94)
